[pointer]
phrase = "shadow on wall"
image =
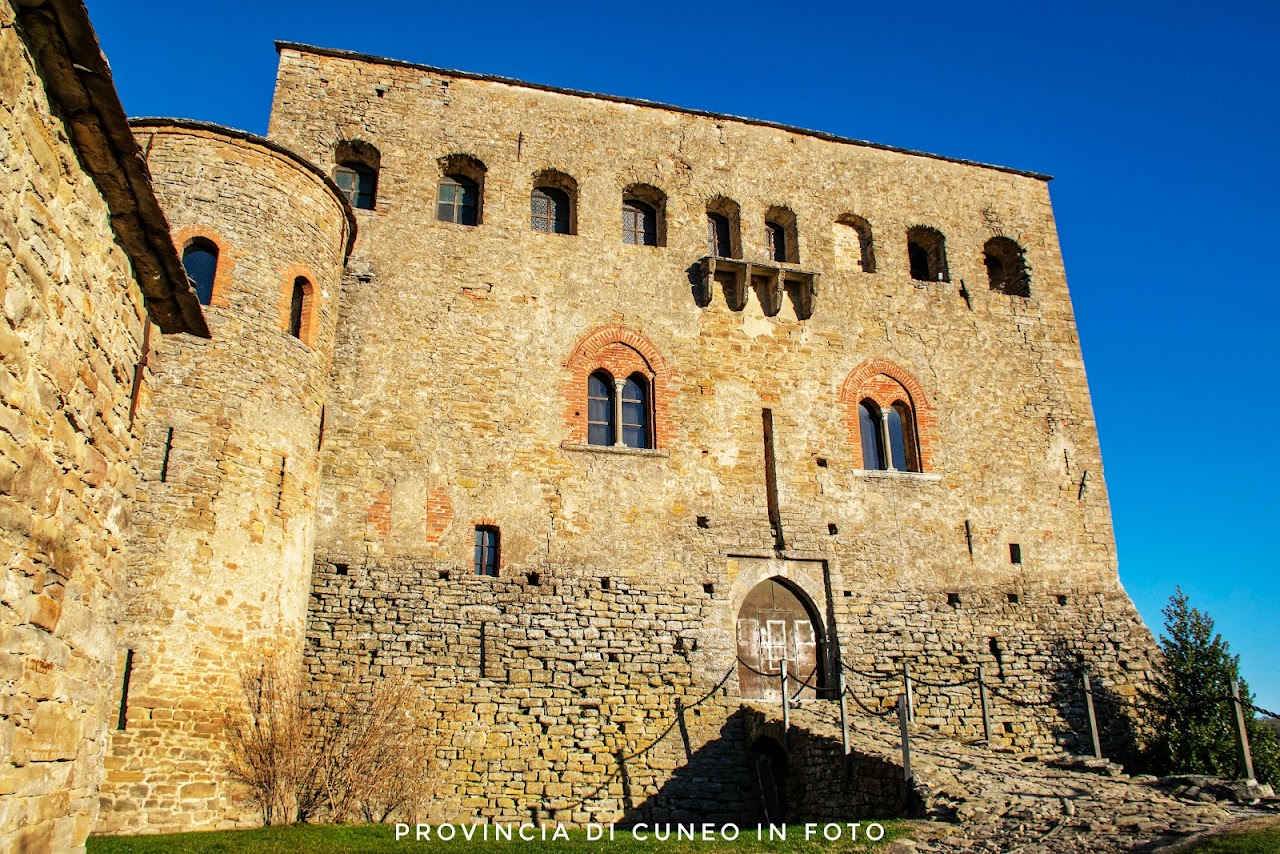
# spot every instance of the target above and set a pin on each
(716, 783)
(1117, 734)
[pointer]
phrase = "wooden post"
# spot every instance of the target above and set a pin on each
(986, 707)
(786, 706)
(1093, 720)
(844, 718)
(906, 687)
(1242, 734)
(906, 738)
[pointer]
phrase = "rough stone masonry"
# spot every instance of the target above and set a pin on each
(854, 398)
(584, 413)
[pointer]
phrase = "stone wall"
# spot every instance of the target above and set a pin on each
(459, 377)
(221, 549)
(71, 333)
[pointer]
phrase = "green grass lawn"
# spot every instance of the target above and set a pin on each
(1254, 838)
(358, 839)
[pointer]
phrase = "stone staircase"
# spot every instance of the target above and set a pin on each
(979, 800)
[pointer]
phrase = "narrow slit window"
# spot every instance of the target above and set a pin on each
(122, 719)
(487, 542)
(1015, 553)
(298, 307)
(164, 459)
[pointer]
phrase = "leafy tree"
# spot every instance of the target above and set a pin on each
(1190, 721)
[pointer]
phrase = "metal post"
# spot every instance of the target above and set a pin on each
(986, 707)
(786, 705)
(1093, 720)
(844, 718)
(906, 738)
(906, 687)
(1242, 734)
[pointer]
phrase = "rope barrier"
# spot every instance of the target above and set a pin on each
(1024, 704)
(758, 672)
(878, 675)
(1262, 711)
(915, 680)
(881, 714)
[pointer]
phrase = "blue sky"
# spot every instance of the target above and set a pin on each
(1158, 120)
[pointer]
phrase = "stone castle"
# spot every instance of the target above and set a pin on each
(584, 413)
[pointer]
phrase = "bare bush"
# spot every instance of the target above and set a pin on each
(342, 751)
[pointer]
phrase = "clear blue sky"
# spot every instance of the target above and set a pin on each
(1158, 120)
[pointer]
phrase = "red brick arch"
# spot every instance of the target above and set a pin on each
(886, 382)
(182, 238)
(310, 308)
(621, 351)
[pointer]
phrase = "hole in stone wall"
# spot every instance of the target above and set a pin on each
(1015, 553)
(704, 522)
(444, 575)
(848, 593)
(709, 588)
(341, 568)
(534, 579)
(953, 599)
(604, 584)
(1014, 599)
(822, 462)
(832, 529)
(1008, 727)
(613, 656)
(1062, 600)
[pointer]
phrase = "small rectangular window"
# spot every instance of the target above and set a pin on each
(487, 550)
(1015, 553)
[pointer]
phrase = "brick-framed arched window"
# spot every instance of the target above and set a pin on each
(201, 237)
(618, 391)
(299, 309)
(883, 396)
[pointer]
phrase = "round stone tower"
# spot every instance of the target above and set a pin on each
(220, 557)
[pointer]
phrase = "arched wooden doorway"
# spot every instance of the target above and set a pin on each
(776, 623)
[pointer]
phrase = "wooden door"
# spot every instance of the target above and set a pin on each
(774, 625)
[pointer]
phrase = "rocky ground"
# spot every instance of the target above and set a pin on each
(981, 800)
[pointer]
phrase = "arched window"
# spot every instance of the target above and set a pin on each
(635, 412)
(854, 249)
(724, 239)
(459, 200)
(1006, 267)
(616, 393)
(358, 182)
(600, 409)
(719, 237)
(200, 258)
(927, 254)
(889, 418)
(776, 240)
(782, 236)
(299, 307)
(872, 439)
(902, 437)
(639, 223)
(549, 210)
